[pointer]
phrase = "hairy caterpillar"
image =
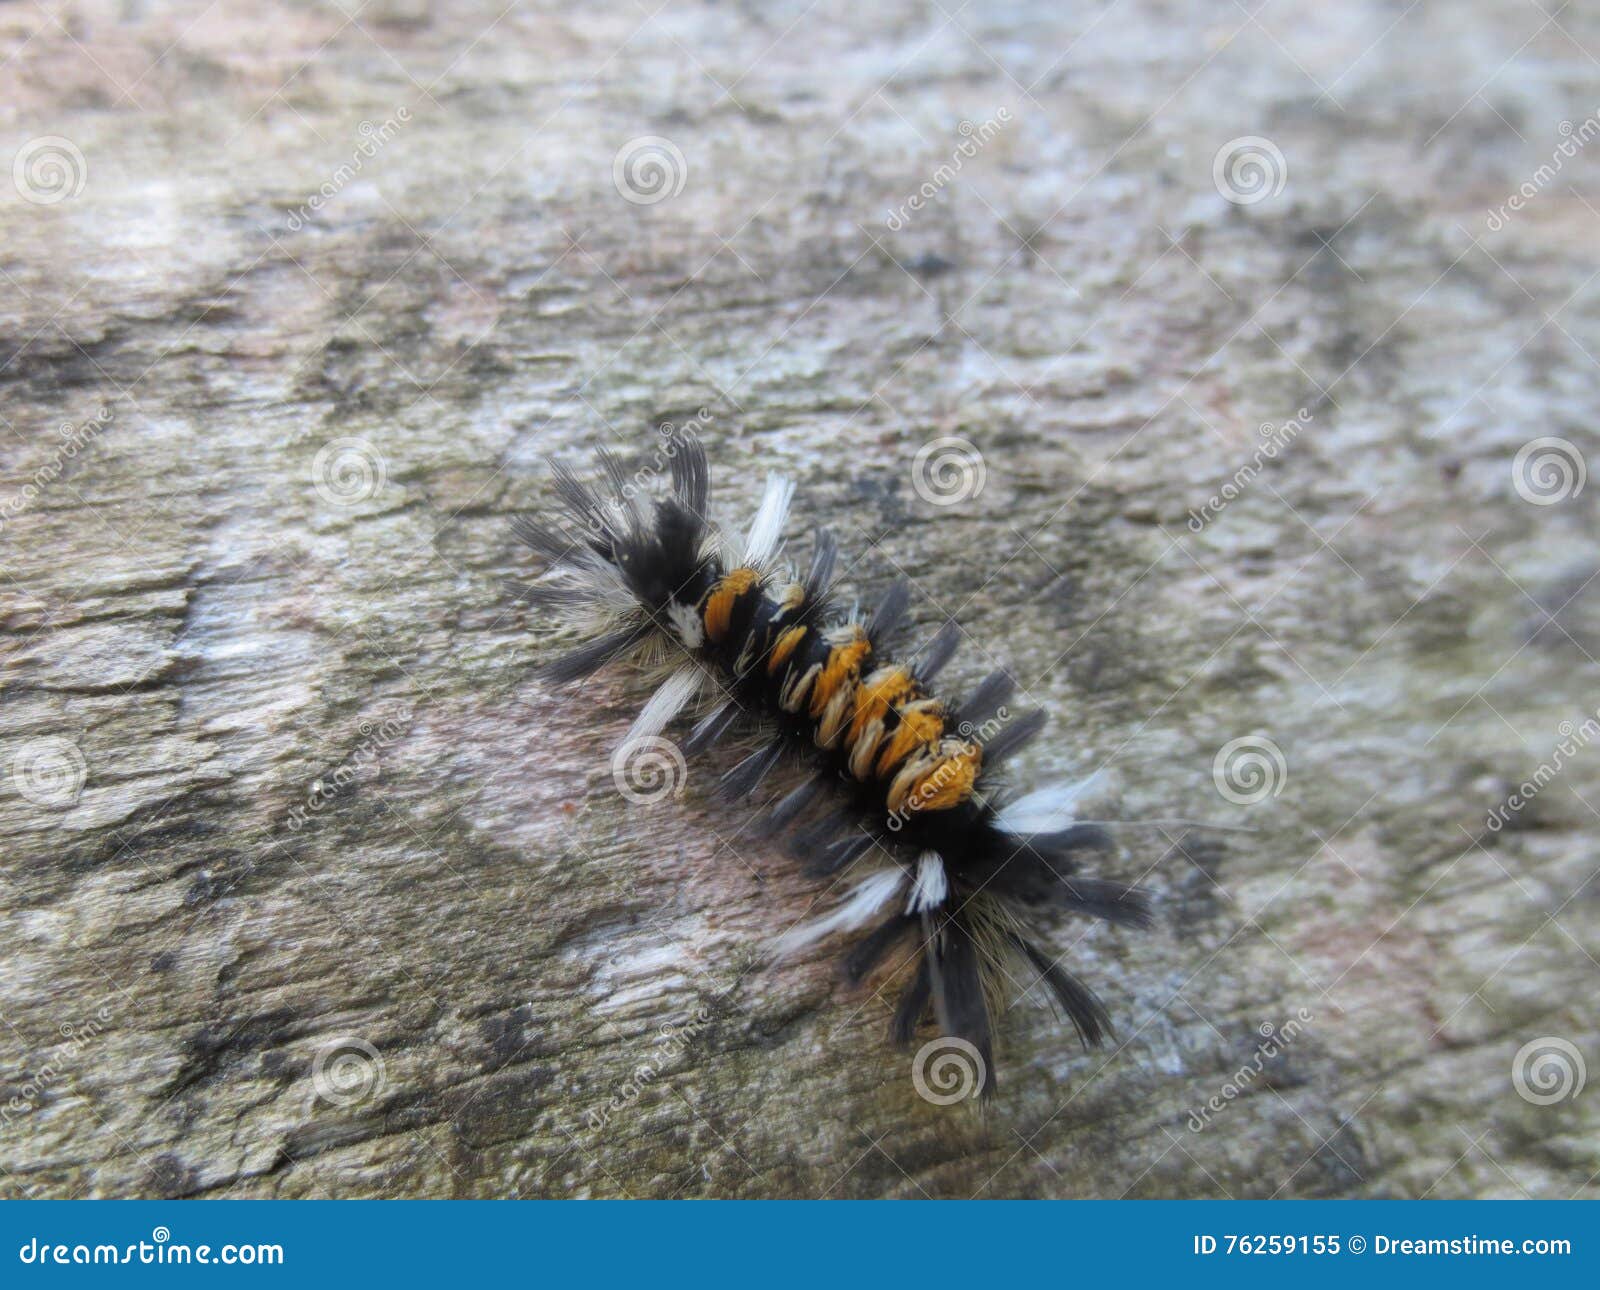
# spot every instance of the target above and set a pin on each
(902, 782)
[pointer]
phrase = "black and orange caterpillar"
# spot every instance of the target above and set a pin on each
(950, 871)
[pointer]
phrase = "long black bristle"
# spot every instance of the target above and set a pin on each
(713, 727)
(624, 495)
(588, 659)
(913, 1005)
(959, 1004)
(824, 557)
(937, 652)
(581, 504)
(1063, 844)
(691, 475)
(836, 855)
(821, 832)
(1088, 1015)
(1014, 737)
(985, 701)
(746, 777)
(890, 613)
(868, 952)
(1116, 902)
(553, 543)
(793, 803)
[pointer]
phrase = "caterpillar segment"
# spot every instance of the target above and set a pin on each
(950, 873)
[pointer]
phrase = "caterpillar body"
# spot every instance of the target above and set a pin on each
(947, 871)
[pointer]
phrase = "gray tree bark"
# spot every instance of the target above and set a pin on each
(310, 890)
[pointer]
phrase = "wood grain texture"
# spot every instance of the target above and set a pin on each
(276, 374)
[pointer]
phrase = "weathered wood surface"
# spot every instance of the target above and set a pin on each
(560, 987)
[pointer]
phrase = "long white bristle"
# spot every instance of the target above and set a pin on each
(1046, 810)
(676, 693)
(766, 530)
(931, 886)
(866, 899)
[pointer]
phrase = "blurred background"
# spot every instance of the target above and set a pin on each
(1225, 369)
